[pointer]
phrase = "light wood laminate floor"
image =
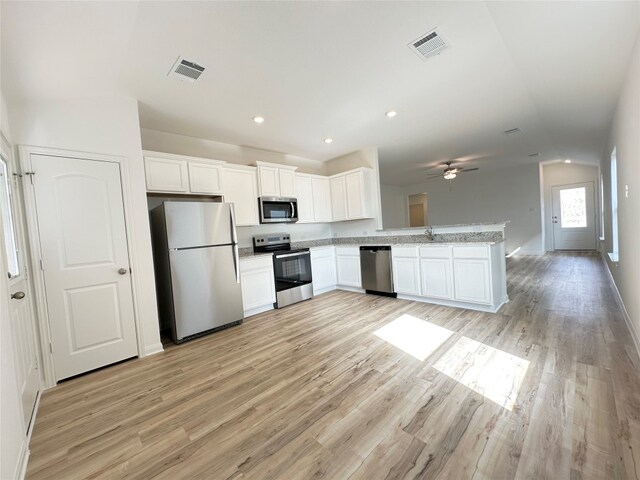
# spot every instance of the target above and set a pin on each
(548, 388)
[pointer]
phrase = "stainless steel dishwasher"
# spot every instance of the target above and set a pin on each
(375, 269)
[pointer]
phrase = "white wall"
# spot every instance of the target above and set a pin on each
(511, 193)
(13, 445)
(107, 126)
(625, 136)
(198, 147)
(394, 206)
(367, 157)
(557, 174)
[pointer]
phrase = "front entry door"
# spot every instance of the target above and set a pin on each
(573, 217)
(85, 260)
(20, 311)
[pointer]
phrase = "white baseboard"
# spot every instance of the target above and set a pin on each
(23, 460)
(453, 303)
(153, 349)
(625, 313)
(256, 311)
(349, 289)
(324, 290)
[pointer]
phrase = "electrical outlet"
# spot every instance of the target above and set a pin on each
(626, 191)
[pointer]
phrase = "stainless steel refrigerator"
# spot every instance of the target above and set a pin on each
(195, 250)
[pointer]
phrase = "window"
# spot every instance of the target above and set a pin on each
(573, 207)
(614, 206)
(10, 239)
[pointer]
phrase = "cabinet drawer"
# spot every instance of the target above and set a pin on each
(321, 252)
(409, 252)
(348, 251)
(252, 263)
(471, 251)
(443, 251)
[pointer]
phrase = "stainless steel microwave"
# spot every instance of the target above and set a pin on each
(278, 209)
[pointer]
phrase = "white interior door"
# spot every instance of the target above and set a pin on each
(85, 260)
(573, 217)
(20, 307)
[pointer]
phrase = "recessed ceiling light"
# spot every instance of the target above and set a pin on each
(258, 119)
(567, 161)
(391, 113)
(328, 140)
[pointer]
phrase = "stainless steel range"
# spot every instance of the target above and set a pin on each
(291, 268)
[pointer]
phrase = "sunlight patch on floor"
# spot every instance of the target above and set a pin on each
(414, 336)
(492, 373)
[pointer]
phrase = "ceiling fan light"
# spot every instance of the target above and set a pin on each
(449, 175)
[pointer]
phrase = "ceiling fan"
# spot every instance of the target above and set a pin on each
(450, 172)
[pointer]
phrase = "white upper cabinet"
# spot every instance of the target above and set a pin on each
(304, 193)
(314, 199)
(321, 199)
(166, 172)
(240, 187)
(338, 198)
(275, 180)
(352, 194)
(205, 178)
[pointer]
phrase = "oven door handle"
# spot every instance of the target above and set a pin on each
(297, 254)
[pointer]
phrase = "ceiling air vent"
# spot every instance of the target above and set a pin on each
(429, 44)
(534, 155)
(185, 70)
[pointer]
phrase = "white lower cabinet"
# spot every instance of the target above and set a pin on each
(258, 284)
(472, 279)
(406, 270)
(437, 278)
(323, 268)
(348, 266)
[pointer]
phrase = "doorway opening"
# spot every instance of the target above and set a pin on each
(418, 213)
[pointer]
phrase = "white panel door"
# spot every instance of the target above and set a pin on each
(85, 261)
(20, 307)
(574, 217)
(258, 288)
(285, 180)
(166, 175)
(338, 198)
(321, 199)
(436, 277)
(355, 195)
(269, 181)
(472, 280)
(348, 271)
(304, 195)
(240, 188)
(205, 178)
(406, 275)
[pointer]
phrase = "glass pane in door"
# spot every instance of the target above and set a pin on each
(573, 208)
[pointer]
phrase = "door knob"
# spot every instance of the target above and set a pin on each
(122, 271)
(17, 296)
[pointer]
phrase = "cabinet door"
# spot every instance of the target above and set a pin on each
(286, 181)
(321, 199)
(338, 198)
(258, 288)
(269, 181)
(472, 280)
(239, 187)
(204, 178)
(304, 195)
(436, 278)
(166, 175)
(348, 270)
(355, 195)
(406, 275)
(324, 273)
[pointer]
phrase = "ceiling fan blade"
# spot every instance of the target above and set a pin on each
(465, 170)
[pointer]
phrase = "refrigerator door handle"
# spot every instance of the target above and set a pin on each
(236, 262)
(234, 232)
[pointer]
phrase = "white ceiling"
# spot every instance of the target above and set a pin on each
(332, 69)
